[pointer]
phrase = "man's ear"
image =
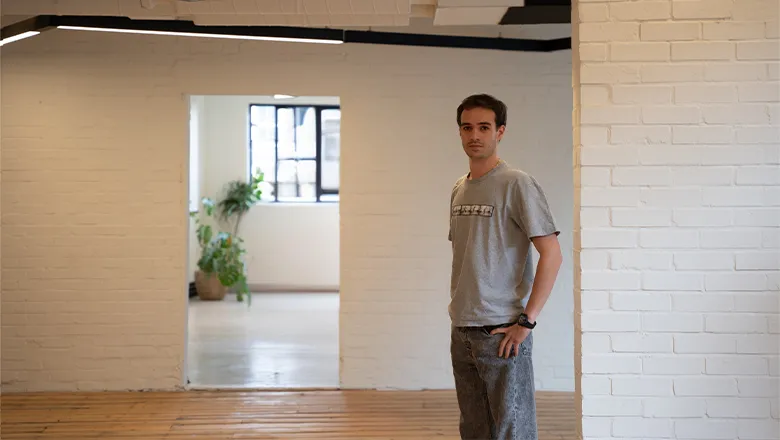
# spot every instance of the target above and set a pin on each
(500, 132)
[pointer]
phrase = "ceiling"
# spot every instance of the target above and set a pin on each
(540, 18)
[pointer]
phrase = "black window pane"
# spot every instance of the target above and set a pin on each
(285, 147)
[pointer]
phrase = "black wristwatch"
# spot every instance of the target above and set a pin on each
(523, 321)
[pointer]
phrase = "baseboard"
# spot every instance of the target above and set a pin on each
(265, 287)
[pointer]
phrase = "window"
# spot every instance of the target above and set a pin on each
(297, 147)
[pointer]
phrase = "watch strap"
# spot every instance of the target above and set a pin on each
(523, 321)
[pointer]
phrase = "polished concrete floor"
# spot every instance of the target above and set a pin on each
(283, 340)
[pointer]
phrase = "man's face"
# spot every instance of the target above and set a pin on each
(478, 132)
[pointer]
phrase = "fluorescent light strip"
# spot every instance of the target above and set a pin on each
(193, 34)
(18, 37)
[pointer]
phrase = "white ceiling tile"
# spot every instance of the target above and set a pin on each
(229, 20)
(315, 7)
(222, 7)
(469, 16)
(385, 7)
(403, 6)
(28, 7)
(318, 20)
(195, 8)
(342, 13)
(269, 6)
(133, 8)
(479, 3)
(245, 7)
(378, 20)
(91, 7)
(401, 20)
(290, 6)
(292, 20)
(339, 7)
(362, 7)
(422, 11)
(343, 20)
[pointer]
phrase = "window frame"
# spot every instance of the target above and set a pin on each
(318, 109)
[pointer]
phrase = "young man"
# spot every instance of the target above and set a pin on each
(496, 214)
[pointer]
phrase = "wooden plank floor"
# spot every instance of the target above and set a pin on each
(217, 415)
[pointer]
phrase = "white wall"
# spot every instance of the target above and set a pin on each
(196, 177)
(290, 246)
(94, 243)
(679, 128)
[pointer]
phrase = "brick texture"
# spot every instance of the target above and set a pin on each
(677, 219)
(1, 241)
(94, 233)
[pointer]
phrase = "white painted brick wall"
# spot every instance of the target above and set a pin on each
(1, 245)
(678, 218)
(74, 184)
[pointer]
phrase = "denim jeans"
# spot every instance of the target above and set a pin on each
(495, 395)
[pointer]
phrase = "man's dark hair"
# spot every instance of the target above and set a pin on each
(484, 101)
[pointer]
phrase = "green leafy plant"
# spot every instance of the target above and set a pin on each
(239, 198)
(222, 253)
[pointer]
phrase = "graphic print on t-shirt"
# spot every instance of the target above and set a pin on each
(473, 210)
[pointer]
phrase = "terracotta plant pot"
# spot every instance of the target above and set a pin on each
(208, 286)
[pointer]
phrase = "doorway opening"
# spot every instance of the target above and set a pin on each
(284, 333)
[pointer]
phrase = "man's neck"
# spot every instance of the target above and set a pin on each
(480, 167)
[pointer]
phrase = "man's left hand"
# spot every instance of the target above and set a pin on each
(514, 335)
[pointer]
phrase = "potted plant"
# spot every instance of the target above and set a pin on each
(221, 265)
(240, 197)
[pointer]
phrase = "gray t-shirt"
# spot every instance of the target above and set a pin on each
(492, 221)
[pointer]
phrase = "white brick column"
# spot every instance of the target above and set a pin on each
(677, 132)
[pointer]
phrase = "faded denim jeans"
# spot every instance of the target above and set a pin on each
(495, 395)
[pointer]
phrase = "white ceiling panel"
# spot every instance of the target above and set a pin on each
(79, 6)
(392, 6)
(468, 16)
(192, 8)
(286, 6)
(245, 7)
(339, 7)
(315, 7)
(336, 13)
(479, 3)
(341, 20)
(136, 9)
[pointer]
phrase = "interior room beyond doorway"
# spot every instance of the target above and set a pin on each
(288, 337)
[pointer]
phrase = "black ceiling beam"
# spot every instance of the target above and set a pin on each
(547, 3)
(346, 36)
(454, 41)
(38, 23)
(538, 12)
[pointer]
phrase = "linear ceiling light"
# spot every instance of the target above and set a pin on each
(18, 37)
(41, 23)
(202, 35)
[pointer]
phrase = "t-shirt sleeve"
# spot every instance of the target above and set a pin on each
(530, 208)
(452, 197)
